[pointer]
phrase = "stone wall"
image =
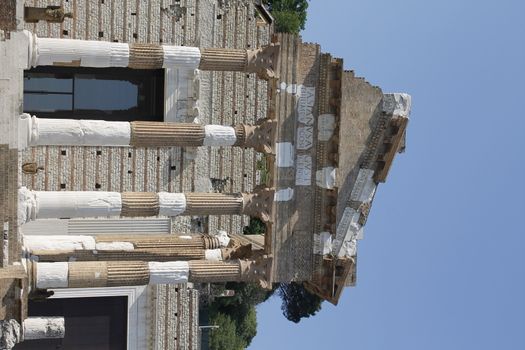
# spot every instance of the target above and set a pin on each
(292, 236)
(174, 318)
(224, 98)
(360, 114)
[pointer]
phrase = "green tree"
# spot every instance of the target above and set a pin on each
(247, 327)
(256, 227)
(289, 15)
(239, 309)
(225, 337)
(297, 302)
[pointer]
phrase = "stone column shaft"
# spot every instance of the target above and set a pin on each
(152, 134)
(33, 205)
(139, 204)
(223, 59)
(87, 274)
(124, 248)
(213, 204)
(91, 53)
(214, 271)
(34, 131)
(44, 328)
(101, 54)
(262, 61)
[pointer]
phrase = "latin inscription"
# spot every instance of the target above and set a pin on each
(305, 137)
(303, 174)
(364, 186)
(348, 227)
(305, 105)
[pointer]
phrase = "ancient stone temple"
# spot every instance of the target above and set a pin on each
(119, 123)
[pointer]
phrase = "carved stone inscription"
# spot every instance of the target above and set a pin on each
(303, 174)
(305, 105)
(364, 186)
(305, 137)
(347, 227)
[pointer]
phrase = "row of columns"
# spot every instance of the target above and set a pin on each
(105, 260)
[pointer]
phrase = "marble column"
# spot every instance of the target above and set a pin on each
(90, 53)
(35, 131)
(134, 247)
(34, 205)
(86, 274)
(44, 328)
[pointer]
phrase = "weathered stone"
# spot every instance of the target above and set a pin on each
(51, 14)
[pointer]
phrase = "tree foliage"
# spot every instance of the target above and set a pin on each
(289, 15)
(225, 337)
(297, 302)
(237, 316)
(256, 227)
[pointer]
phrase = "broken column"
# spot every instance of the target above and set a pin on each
(34, 131)
(44, 328)
(134, 247)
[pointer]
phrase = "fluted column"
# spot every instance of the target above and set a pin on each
(154, 134)
(90, 53)
(129, 247)
(101, 54)
(87, 274)
(262, 61)
(34, 205)
(34, 131)
(213, 204)
(223, 59)
(140, 204)
(214, 271)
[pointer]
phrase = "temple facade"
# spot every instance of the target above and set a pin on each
(129, 116)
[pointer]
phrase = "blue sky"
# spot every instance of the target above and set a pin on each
(442, 265)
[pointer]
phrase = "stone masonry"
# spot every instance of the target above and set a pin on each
(226, 98)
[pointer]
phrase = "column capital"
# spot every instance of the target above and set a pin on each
(259, 203)
(257, 270)
(236, 250)
(264, 61)
(260, 137)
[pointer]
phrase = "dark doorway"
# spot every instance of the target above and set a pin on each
(91, 323)
(117, 94)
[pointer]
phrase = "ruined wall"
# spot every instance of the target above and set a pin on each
(360, 114)
(174, 318)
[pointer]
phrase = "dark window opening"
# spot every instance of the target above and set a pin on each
(91, 323)
(115, 94)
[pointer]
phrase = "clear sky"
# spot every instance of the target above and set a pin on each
(442, 265)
